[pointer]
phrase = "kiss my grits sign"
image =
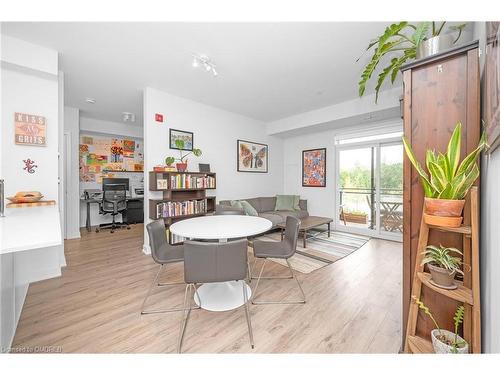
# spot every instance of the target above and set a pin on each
(29, 129)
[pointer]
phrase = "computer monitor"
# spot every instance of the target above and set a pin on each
(116, 181)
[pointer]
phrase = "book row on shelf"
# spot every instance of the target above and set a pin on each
(187, 181)
(174, 238)
(172, 209)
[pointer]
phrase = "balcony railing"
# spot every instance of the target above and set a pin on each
(359, 206)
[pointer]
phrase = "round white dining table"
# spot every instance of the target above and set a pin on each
(222, 296)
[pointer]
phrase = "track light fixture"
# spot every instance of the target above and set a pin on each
(202, 60)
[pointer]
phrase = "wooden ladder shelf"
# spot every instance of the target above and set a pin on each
(467, 293)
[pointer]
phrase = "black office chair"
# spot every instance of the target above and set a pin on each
(114, 202)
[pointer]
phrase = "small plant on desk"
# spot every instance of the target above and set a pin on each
(445, 341)
(182, 166)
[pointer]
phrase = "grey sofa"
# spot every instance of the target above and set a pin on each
(265, 207)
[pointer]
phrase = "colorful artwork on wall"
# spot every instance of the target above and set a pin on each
(93, 159)
(128, 148)
(491, 86)
(84, 149)
(314, 167)
(252, 157)
(30, 130)
(29, 166)
(187, 137)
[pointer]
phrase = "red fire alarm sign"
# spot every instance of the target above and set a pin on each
(158, 117)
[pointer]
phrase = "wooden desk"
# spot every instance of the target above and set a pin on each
(89, 201)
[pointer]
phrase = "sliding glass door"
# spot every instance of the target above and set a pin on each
(370, 188)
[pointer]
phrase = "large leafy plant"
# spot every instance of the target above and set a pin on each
(403, 39)
(179, 143)
(443, 257)
(447, 177)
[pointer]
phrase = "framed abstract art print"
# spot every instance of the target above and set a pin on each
(314, 167)
(252, 157)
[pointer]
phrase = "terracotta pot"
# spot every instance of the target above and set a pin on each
(442, 277)
(443, 221)
(444, 207)
(181, 167)
(443, 348)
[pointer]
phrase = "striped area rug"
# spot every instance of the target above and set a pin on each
(321, 250)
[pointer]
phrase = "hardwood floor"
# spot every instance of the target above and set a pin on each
(353, 305)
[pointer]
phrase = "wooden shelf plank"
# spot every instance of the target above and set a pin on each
(464, 229)
(419, 345)
(461, 294)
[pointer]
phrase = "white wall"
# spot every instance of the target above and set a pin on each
(71, 169)
(215, 132)
(35, 92)
(93, 125)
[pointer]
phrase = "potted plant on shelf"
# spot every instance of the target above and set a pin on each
(443, 266)
(443, 341)
(182, 165)
(408, 42)
(448, 181)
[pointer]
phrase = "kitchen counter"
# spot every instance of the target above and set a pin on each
(30, 228)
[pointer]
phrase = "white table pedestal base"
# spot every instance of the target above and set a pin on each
(222, 296)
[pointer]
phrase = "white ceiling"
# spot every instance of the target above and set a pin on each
(267, 71)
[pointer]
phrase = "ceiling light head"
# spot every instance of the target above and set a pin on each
(203, 60)
(128, 117)
(90, 100)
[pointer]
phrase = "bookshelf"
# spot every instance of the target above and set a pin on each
(184, 195)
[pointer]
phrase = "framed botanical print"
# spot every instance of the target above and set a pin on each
(491, 85)
(252, 157)
(182, 135)
(314, 167)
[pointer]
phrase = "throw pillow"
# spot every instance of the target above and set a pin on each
(236, 204)
(296, 206)
(285, 202)
(249, 209)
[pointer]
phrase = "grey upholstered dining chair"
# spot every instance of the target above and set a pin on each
(206, 262)
(163, 253)
(281, 250)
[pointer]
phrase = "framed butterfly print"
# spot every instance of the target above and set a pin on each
(252, 157)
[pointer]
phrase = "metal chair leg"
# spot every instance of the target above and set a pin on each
(278, 302)
(155, 283)
(269, 277)
(185, 317)
(247, 313)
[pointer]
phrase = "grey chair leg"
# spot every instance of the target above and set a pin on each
(247, 313)
(185, 317)
(153, 284)
(268, 277)
(278, 302)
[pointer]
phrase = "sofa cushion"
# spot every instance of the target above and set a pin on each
(284, 202)
(237, 205)
(272, 216)
(249, 209)
(267, 204)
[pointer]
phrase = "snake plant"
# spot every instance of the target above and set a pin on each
(402, 38)
(447, 177)
(442, 257)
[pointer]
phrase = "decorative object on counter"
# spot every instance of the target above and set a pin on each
(448, 181)
(314, 167)
(29, 166)
(443, 341)
(187, 139)
(182, 166)
(408, 41)
(443, 265)
(26, 197)
(30, 130)
(252, 156)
